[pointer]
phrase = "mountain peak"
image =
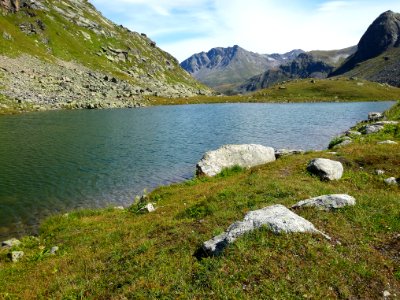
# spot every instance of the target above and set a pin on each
(382, 35)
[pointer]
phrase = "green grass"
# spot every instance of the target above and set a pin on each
(338, 89)
(114, 254)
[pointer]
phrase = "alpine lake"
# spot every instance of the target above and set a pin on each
(57, 161)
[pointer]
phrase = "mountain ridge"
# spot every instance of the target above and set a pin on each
(108, 64)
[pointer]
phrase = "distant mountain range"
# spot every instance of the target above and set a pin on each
(225, 68)
(235, 70)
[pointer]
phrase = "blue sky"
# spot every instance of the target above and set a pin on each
(185, 27)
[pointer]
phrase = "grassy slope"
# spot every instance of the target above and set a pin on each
(111, 253)
(66, 42)
(338, 89)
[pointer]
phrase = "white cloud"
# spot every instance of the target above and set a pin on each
(185, 27)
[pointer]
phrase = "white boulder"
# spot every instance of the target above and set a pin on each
(327, 202)
(277, 218)
(326, 169)
(213, 162)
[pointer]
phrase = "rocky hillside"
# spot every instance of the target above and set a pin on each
(378, 54)
(304, 66)
(61, 54)
(225, 68)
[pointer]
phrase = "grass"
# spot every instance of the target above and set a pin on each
(305, 90)
(114, 254)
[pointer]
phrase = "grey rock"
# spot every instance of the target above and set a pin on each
(391, 181)
(119, 207)
(388, 142)
(54, 250)
(10, 243)
(345, 142)
(286, 152)
(327, 202)
(276, 218)
(7, 36)
(326, 169)
(375, 116)
(213, 162)
(15, 256)
(379, 172)
(372, 128)
(148, 208)
(352, 132)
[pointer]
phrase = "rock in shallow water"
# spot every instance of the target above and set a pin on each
(327, 202)
(326, 169)
(213, 162)
(276, 218)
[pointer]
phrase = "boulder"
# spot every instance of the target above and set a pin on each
(352, 132)
(10, 243)
(15, 256)
(388, 142)
(327, 202)
(326, 169)
(286, 152)
(375, 116)
(276, 218)
(391, 181)
(346, 141)
(372, 128)
(213, 162)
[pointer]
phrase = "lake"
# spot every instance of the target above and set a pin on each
(53, 162)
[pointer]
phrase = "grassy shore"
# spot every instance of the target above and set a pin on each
(121, 254)
(302, 90)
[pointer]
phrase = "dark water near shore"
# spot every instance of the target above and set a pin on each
(57, 161)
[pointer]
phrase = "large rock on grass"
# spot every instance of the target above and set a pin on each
(327, 202)
(213, 162)
(326, 169)
(277, 218)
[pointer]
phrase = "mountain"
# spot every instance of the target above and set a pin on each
(224, 68)
(333, 57)
(378, 53)
(304, 66)
(65, 54)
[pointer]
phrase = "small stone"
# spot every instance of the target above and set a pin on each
(119, 207)
(148, 208)
(286, 152)
(15, 256)
(352, 132)
(54, 250)
(326, 169)
(10, 243)
(391, 181)
(327, 202)
(379, 172)
(388, 142)
(386, 294)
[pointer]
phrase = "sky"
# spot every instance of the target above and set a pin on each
(186, 27)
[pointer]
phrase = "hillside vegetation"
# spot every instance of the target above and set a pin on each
(65, 54)
(118, 254)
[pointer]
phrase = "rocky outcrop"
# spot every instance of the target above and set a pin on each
(326, 169)
(213, 162)
(304, 66)
(10, 5)
(276, 218)
(327, 202)
(378, 52)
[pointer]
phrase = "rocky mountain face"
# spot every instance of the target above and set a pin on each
(378, 52)
(304, 66)
(225, 68)
(65, 54)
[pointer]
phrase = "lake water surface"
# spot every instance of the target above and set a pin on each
(57, 161)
